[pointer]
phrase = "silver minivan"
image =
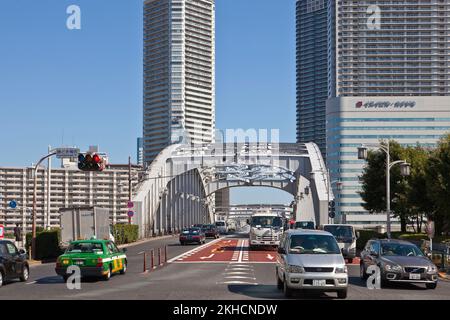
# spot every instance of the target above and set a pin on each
(311, 260)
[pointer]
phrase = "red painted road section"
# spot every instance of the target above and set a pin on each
(231, 250)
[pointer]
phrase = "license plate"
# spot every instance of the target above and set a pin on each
(319, 283)
(414, 276)
(79, 262)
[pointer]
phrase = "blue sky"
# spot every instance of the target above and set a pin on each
(84, 87)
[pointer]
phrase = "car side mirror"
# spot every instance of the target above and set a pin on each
(124, 250)
(281, 250)
(374, 253)
(21, 252)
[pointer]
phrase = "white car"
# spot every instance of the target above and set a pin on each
(221, 226)
(311, 260)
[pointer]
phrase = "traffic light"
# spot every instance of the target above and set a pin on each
(332, 209)
(90, 162)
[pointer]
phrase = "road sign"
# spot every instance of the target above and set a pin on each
(67, 152)
(130, 214)
(12, 204)
(130, 204)
(2, 231)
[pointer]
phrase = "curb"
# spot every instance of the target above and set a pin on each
(33, 263)
(444, 276)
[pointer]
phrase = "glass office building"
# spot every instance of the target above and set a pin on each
(312, 69)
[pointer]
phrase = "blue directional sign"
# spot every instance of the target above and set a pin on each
(12, 204)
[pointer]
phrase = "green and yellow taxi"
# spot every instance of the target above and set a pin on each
(95, 258)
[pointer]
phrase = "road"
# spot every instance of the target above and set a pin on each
(223, 269)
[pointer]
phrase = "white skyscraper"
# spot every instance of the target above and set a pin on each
(179, 73)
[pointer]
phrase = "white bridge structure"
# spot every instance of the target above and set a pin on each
(179, 185)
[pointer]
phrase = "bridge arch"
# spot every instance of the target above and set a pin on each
(178, 186)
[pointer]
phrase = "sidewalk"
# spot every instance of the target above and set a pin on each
(142, 241)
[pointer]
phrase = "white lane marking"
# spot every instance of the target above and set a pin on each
(32, 282)
(241, 252)
(183, 255)
(236, 252)
(209, 257)
(235, 273)
(238, 282)
(239, 277)
(270, 257)
(142, 252)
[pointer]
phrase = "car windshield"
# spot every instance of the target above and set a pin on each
(313, 244)
(267, 222)
(304, 225)
(220, 224)
(400, 249)
(85, 248)
(340, 231)
(191, 231)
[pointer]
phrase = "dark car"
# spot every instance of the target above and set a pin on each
(399, 262)
(309, 225)
(210, 231)
(192, 235)
(13, 263)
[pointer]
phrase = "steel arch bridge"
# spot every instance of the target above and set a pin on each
(179, 185)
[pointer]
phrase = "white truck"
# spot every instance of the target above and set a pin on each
(266, 229)
(79, 223)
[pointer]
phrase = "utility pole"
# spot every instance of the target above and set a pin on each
(129, 185)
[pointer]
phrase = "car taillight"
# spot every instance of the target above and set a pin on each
(58, 263)
(99, 262)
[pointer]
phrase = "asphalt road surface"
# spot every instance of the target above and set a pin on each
(223, 269)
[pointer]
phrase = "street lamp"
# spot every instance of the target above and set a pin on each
(405, 170)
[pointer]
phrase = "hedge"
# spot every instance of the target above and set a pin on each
(47, 243)
(9, 235)
(366, 235)
(125, 233)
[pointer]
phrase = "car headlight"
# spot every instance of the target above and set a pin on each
(342, 269)
(392, 268)
(296, 269)
(432, 269)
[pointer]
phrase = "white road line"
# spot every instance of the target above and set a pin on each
(238, 282)
(235, 273)
(240, 277)
(193, 250)
(33, 282)
(241, 251)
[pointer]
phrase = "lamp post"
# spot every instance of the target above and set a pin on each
(405, 169)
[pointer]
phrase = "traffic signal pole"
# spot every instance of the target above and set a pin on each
(33, 232)
(129, 185)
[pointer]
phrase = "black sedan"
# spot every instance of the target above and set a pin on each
(398, 262)
(13, 263)
(192, 235)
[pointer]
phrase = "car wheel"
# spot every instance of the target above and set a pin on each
(287, 291)
(182, 243)
(124, 269)
(25, 274)
(1, 278)
(279, 282)
(362, 272)
(342, 294)
(431, 285)
(107, 276)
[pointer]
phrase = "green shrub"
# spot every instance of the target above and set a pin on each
(125, 233)
(9, 235)
(47, 243)
(366, 235)
(413, 236)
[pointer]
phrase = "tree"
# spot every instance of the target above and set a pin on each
(438, 185)
(373, 189)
